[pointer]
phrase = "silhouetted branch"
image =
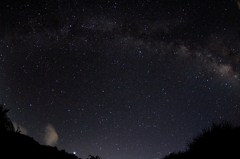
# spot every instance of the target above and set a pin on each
(5, 123)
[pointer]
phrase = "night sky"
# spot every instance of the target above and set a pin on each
(119, 79)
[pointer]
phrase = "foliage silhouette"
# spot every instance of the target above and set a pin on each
(93, 157)
(5, 123)
(177, 155)
(219, 141)
(16, 145)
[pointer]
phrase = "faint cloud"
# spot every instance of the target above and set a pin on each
(50, 136)
(21, 128)
(238, 3)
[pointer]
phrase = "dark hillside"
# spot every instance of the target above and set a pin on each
(218, 141)
(16, 145)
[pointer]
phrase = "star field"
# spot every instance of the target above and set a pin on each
(120, 79)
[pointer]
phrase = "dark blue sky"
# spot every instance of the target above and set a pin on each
(119, 79)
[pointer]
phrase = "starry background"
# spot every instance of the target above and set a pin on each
(120, 79)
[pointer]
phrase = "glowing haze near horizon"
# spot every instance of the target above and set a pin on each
(119, 79)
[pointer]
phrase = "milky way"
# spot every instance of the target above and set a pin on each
(119, 79)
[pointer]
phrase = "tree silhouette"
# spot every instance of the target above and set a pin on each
(218, 141)
(5, 123)
(16, 145)
(93, 157)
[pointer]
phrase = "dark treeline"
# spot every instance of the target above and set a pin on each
(218, 141)
(16, 145)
